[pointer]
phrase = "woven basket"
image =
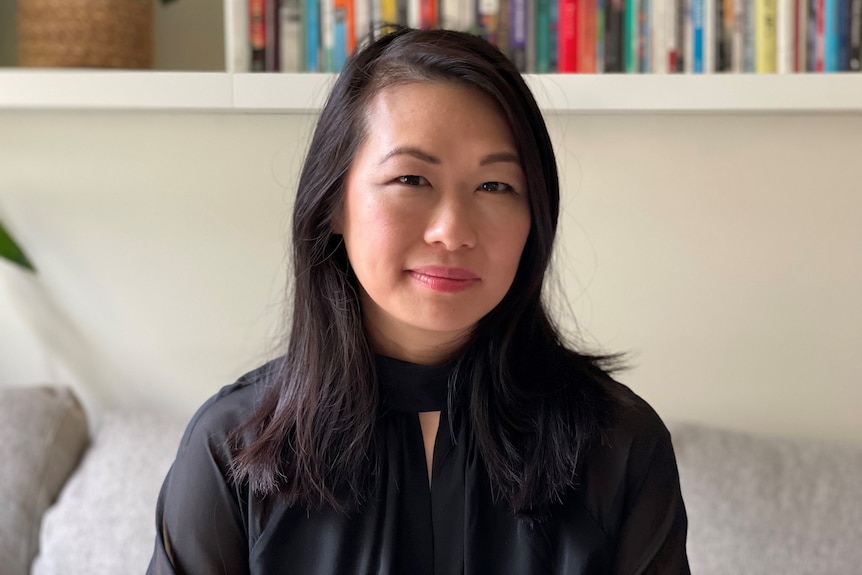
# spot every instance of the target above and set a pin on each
(85, 33)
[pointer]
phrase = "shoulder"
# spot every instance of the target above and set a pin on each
(620, 416)
(632, 420)
(226, 410)
(633, 441)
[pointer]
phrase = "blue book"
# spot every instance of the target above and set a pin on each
(340, 50)
(697, 46)
(830, 36)
(312, 35)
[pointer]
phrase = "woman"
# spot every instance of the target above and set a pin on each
(425, 417)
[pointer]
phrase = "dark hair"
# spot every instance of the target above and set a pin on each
(311, 439)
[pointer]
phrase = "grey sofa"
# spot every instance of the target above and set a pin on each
(82, 502)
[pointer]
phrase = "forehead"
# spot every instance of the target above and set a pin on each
(438, 111)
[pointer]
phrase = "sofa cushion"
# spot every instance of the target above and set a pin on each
(769, 505)
(44, 431)
(104, 519)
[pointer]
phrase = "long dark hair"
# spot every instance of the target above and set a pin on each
(534, 405)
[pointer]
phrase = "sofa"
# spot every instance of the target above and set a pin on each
(79, 498)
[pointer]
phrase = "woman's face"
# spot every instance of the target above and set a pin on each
(435, 217)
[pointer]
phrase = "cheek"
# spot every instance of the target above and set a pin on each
(509, 240)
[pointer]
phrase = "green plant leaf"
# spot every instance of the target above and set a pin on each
(9, 250)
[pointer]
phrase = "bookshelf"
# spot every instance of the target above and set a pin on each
(22, 89)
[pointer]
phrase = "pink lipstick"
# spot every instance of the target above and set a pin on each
(443, 279)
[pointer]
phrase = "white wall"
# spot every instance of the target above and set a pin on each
(722, 251)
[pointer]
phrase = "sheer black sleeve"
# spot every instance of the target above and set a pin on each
(652, 535)
(200, 522)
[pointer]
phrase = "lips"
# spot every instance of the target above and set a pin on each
(444, 279)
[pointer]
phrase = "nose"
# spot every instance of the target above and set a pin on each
(451, 225)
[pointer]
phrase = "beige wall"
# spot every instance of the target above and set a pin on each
(722, 251)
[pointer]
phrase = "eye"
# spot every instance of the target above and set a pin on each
(412, 180)
(497, 188)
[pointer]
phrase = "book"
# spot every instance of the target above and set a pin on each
(784, 55)
(237, 44)
(855, 50)
(567, 46)
(542, 35)
(518, 33)
(291, 39)
(765, 36)
(615, 36)
(257, 34)
(272, 51)
(311, 18)
(631, 35)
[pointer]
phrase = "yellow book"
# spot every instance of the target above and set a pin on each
(765, 36)
(389, 11)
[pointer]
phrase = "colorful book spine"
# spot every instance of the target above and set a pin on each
(681, 37)
(749, 61)
(362, 20)
(800, 28)
(855, 51)
(504, 29)
(311, 15)
(697, 7)
(458, 15)
(272, 52)
(820, 36)
(587, 36)
(486, 17)
(327, 35)
(518, 33)
(614, 36)
(843, 35)
(531, 36)
(830, 36)
(737, 49)
(339, 24)
(237, 32)
(670, 43)
(709, 29)
(553, 34)
(765, 36)
(410, 13)
(784, 36)
(388, 11)
(257, 34)
(643, 41)
(567, 48)
(600, 27)
(658, 36)
(723, 34)
(429, 14)
(350, 24)
(688, 39)
(630, 55)
(291, 41)
(543, 31)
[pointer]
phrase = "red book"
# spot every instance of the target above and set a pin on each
(567, 36)
(257, 34)
(428, 16)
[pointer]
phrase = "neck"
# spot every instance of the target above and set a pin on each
(426, 353)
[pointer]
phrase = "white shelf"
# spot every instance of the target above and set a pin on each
(27, 89)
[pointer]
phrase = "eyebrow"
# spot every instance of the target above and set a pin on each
(495, 158)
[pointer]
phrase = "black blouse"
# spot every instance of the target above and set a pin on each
(625, 516)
